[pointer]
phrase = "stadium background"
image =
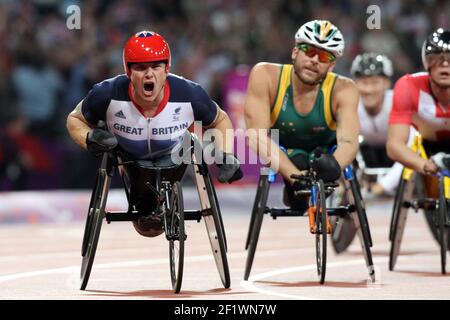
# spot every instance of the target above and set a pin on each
(46, 69)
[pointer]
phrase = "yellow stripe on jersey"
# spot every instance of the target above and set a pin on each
(327, 88)
(283, 84)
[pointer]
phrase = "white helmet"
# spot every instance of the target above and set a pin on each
(322, 34)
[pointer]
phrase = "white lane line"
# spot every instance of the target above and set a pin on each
(249, 285)
(138, 263)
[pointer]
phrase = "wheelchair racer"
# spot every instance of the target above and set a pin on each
(372, 73)
(148, 111)
(311, 107)
(423, 101)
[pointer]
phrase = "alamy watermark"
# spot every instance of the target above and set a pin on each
(73, 21)
(251, 146)
(374, 20)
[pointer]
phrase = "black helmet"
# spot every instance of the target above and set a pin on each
(371, 64)
(436, 42)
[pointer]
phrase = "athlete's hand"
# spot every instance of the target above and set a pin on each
(99, 141)
(442, 160)
(230, 169)
(326, 167)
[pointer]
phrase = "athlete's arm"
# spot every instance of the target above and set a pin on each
(223, 124)
(347, 129)
(399, 128)
(78, 126)
(257, 120)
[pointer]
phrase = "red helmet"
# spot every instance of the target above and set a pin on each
(146, 46)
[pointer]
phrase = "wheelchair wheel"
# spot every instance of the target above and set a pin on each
(216, 233)
(405, 191)
(321, 232)
(343, 228)
(177, 236)
(93, 225)
(256, 220)
(220, 220)
(362, 226)
(443, 220)
(431, 217)
(398, 199)
(262, 183)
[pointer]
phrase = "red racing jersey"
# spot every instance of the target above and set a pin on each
(414, 104)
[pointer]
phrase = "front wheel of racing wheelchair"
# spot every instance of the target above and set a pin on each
(170, 200)
(436, 212)
(436, 208)
(319, 223)
(94, 219)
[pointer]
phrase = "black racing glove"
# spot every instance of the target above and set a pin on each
(99, 141)
(326, 167)
(230, 169)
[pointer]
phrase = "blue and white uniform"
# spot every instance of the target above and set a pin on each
(143, 137)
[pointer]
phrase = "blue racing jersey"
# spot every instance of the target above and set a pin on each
(144, 137)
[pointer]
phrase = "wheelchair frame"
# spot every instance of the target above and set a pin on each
(318, 191)
(439, 222)
(209, 212)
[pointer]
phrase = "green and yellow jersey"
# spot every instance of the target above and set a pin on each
(302, 133)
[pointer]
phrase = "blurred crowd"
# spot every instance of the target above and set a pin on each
(46, 68)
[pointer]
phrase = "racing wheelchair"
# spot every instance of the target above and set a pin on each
(158, 181)
(410, 194)
(318, 213)
(370, 164)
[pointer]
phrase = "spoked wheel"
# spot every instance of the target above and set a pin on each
(176, 236)
(93, 225)
(256, 220)
(443, 220)
(321, 232)
(362, 226)
(399, 215)
(215, 231)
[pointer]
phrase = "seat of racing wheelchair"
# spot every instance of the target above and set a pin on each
(141, 177)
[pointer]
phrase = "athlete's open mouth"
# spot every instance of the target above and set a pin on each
(148, 87)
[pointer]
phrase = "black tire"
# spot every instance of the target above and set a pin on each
(398, 199)
(343, 233)
(362, 226)
(94, 221)
(220, 219)
(263, 180)
(259, 207)
(400, 213)
(216, 233)
(89, 217)
(321, 232)
(443, 220)
(177, 236)
(343, 229)
(431, 217)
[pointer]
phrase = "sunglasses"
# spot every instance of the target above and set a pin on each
(310, 51)
(437, 58)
